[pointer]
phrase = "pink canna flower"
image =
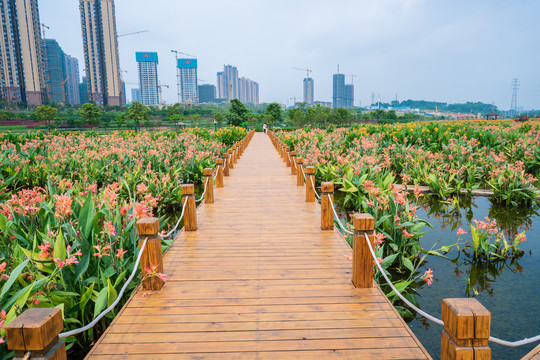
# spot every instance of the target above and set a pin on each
(460, 232)
(63, 206)
(120, 253)
(428, 276)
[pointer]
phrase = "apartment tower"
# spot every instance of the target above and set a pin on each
(188, 81)
(73, 78)
(22, 75)
(308, 91)
(147, 63)
(100, 42)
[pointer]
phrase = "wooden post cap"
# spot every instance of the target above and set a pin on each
(467, 321)
(35, 329)
(287, 149)
(310, 170)
(148, 226)
(327, 188)
(208, 172)
(363, 222)
(225, 156)
(299, 160)
(219, 162)
(188, 189)
(230, 151)
(293, 153)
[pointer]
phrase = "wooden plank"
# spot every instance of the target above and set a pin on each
(259, 280)
(534, 354)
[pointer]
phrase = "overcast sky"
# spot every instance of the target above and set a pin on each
(440, 50)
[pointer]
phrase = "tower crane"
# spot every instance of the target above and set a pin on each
(160, 87)
(43, 26)
(308, 71)
(63, 89)
(352, 78)
(132, 33)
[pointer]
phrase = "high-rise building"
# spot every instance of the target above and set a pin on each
(343, 95)
(22, 78)
(222, 92)
(135, 94)
(308, 90)
(248, 91)
(83, 91)
(147, 63)
(102, 63)
(55, 70)
(188, 81)
(73, 78)
(207, 93)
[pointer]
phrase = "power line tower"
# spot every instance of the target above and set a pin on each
(515, 88)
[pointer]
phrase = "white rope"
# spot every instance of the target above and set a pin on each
(205, 187)
(217, 170)
(177, 223)
(424, 314)
(313, 187)
(337, 217)
(118, 298)
(303, 173)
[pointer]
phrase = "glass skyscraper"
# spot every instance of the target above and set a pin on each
(189, 90)
(147, 63)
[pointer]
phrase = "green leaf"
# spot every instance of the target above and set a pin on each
(12, 277)
(111, 293)
(86, 217)
(86, 297)
(59, 251)
(408, 264)
(101, 302)
(19, 304)
(36, 285)
(82, 266)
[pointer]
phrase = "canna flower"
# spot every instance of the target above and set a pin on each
(108, 229)
(120, 253)
(63, 206)
(428, 276)
(46, 250)
(460, 232)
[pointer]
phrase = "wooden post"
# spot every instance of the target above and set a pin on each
(231, 158)
(36, 331)
(299, 173)
(362, 263)
(148, 228)
(310, 184)
(327, 214)
(219, 178)
(226, 167)
(209, 181)
(293, 162)
(466, 330)
(287, 156)
(190, 214)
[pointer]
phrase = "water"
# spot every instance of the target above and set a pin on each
(510, 289)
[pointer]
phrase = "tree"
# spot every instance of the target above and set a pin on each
(46, 114)
(238, 113)
(194, 119)
(218, 117)
(90, 114)
(297, 116)
(274, 111)
(120, 119)
(177, 119)
(138, 113)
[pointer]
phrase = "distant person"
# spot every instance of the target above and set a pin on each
(265, 128)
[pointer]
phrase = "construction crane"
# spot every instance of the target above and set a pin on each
(352, 78)
(132, 33)
(308, 71)
(43, 26)
(160, 87)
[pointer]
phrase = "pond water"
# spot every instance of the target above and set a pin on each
(510, 289)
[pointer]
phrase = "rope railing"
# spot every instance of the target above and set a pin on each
(433, 318)
(314, 190)
(204, 192)
(217, 170)
(337, 217)
(177, 223)
(113, 305)
(303, 173)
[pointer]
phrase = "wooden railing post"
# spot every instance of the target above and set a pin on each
(226, 166)
(310, 184)
(219, 177)
(327, 214)
(231, 158)
(293, 162)
(299, 173)
(209, 181)
(287, 156)
(362, 263)
(148, 228)
(36, 331)
(190, 214)
(466, 330)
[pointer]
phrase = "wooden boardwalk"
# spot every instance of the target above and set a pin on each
(533, 355)
(259, 280)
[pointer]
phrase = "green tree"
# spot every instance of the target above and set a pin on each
(238, 113)
(174, 110)
(296, 116)
(274, 111)
(90, 114)
(177, 119)
(46, 114)
(120, 119)
(218, 117)
(194, 119)
(138, 113)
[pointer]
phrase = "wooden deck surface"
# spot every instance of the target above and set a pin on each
(259, 280)
(533, 355)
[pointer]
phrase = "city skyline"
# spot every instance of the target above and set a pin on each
(445, 51)
(147, 63)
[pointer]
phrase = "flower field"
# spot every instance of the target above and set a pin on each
(68, 208)
(379, 169)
